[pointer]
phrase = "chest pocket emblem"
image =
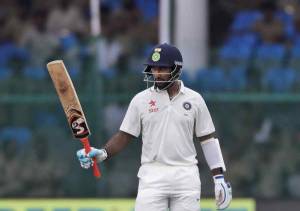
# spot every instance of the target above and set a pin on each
(187, 105)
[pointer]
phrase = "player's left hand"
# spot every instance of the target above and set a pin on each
(223, 192)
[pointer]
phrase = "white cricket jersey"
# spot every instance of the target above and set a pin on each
(168, 126)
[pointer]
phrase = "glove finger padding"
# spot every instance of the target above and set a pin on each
(85, 161)
(81, 154)
(223, 195)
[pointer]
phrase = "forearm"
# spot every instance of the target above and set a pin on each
(117, 143)
(212, 153)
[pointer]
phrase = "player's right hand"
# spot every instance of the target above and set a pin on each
(86, 159)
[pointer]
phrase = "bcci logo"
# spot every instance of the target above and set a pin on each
(155, 56)
(187, 105)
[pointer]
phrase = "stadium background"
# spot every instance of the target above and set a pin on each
(250, 82)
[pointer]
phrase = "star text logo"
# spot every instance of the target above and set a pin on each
(153, 107)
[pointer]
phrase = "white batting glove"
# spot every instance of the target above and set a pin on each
(223, 192)
(86, 160)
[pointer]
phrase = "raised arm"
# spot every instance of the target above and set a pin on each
(117, 143)
(114, 145)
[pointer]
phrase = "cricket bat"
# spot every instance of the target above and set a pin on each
(71, 105)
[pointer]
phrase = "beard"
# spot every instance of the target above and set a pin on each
(162, 85)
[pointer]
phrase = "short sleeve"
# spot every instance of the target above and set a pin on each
(131, 123)
(204, 124)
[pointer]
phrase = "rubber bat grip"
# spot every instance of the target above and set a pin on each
(87, 147)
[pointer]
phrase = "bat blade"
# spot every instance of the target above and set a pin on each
(68, 98)
(71, 105)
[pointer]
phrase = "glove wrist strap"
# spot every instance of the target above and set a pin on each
(218, 178)
(102, 156)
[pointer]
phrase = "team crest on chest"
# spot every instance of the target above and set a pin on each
(187, 105)
(153, 107)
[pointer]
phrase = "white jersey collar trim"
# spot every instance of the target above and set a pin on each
(182, 87)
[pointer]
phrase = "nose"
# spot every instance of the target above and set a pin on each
(155, 72)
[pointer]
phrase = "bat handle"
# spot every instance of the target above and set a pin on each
(87, 147)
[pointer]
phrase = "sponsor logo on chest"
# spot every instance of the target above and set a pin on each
(152, 106)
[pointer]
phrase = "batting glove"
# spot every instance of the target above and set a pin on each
(223, 192)
(86, 160)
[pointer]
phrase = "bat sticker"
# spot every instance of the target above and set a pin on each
(78, 124)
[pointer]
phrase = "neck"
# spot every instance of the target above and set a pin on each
(173, 90)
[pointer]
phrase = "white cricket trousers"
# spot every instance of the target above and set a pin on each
(163, 186)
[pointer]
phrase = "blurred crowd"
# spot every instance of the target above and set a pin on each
(33, 136)
(35, 32)
(255, 46)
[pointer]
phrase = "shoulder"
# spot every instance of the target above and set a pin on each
(194, 95)
(141, 96)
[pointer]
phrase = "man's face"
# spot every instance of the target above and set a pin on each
(161, 76)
